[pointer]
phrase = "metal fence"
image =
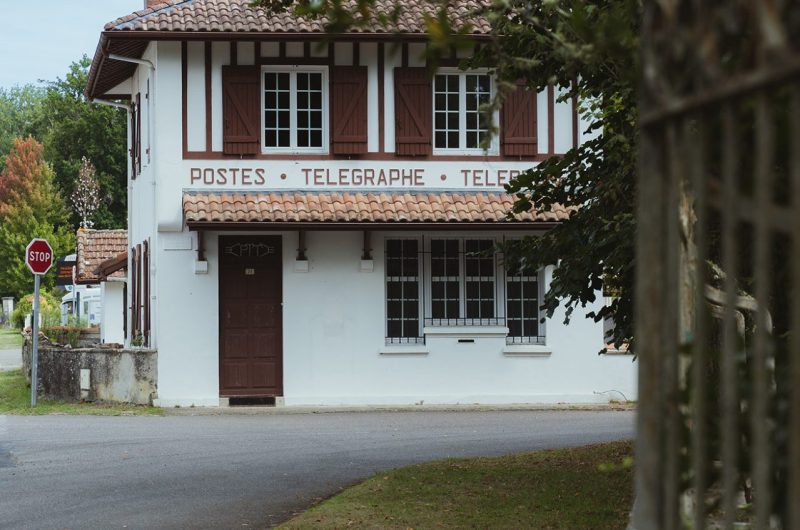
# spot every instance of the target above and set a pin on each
(718, 266)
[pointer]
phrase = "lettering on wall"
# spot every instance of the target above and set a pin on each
(249, 250)
(298, 176)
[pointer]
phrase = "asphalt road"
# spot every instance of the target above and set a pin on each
(240, 471)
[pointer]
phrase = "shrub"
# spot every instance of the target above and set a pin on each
(49, 306)
(63, 335)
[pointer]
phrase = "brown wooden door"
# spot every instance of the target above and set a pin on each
(251, 317)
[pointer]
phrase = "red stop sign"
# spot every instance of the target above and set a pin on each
(39, 256)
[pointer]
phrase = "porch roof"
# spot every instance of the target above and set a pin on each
(390, 210)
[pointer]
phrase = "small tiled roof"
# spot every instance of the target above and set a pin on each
(238, 16)
(358, 207)
(96, 247)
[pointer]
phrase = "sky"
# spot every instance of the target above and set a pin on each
(40, 38)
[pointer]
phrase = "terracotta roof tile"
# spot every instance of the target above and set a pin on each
(238, 16)
(362, 207)
(95, 247)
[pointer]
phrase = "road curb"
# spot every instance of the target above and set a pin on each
(288, 410)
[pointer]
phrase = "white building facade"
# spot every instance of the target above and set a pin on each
(313, 222)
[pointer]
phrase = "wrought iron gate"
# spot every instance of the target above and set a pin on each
(718, 266)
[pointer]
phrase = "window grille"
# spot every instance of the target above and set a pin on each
(309, 109)
(446, 111)
(445, 279)
(479, 280)
(522, 307)
(294, 110)
(457, 282)
(402, 291)
(478, 90)
(277, 110)
(458, 121)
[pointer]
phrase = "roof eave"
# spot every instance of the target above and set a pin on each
(112, 265)
(266, 35)
(397, 225)
(95, 67)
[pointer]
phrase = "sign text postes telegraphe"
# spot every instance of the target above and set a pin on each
(356, 177)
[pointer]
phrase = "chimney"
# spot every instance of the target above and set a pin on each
(152, 3)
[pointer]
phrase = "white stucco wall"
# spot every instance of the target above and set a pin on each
(334, 350)
(170, 55)
(113, 312)
(334, 346)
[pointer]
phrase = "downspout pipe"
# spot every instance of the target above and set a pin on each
(143, 62)
(95, 101)
(104, 102)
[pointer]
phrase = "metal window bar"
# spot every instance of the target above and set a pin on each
(403, 302)
(718, 269)
(522, 312)
(465, 255)
(527, 328)
(443, 251)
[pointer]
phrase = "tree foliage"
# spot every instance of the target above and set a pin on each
(590, 50)
(20, 116)
(30, 206)
(77, 129)
(70, 128)
(86, 195)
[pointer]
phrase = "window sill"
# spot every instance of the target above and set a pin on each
(411, 349)
(466, 331)
(527, 350)
(294, 152)
(465, 152)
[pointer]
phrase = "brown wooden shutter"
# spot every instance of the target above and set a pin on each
(241, 112)
(134, 136)
(134, 292)
(125, 310)
(146, 291)
(413, 105)
(139, 133)
(349, 110)
(519, 122)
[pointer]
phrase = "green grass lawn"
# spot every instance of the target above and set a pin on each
(577, 489)
(15, 398)
(10, 338)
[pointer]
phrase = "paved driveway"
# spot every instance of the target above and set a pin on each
(237, 471)
(10, 359)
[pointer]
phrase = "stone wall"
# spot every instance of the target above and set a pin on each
(94, 374)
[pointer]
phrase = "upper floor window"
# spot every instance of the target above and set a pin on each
(295, 110)
(459, 124)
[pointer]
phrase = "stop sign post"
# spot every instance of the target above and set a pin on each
(39, 259)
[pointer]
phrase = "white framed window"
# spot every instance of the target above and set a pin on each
(463, 282)
(524, 295)
(457, 281)
(459, 125)
(403, 291)
(294, 100)
(440, 281)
